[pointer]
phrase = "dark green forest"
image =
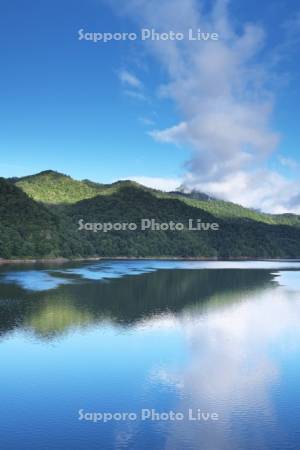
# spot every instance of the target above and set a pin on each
(40, 214)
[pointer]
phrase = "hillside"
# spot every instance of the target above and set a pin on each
(229, 210)
(236, 237)
(26, 228)
(40, 218)
(54, 188)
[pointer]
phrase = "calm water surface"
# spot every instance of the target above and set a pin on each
(222, 338)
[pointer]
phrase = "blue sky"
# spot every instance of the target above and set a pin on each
(219, 116)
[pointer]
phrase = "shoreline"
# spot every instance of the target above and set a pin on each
(136, 258)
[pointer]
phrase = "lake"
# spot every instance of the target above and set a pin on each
(146, 355)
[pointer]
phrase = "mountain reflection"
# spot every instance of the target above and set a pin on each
(125, 301)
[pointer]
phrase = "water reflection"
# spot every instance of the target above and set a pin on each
(124, 301)
(234, 368)
(224, 341)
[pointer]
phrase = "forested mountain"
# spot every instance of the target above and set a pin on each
(27, 228)
(40, 217)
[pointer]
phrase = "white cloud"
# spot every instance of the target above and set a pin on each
(130, 79)
(289, 163)
(221, 89)
(264, 189)
(137, 95)
(146, 121)
(133, 87)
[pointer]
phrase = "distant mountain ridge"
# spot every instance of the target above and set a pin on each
(40, 214)
(196, 195)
